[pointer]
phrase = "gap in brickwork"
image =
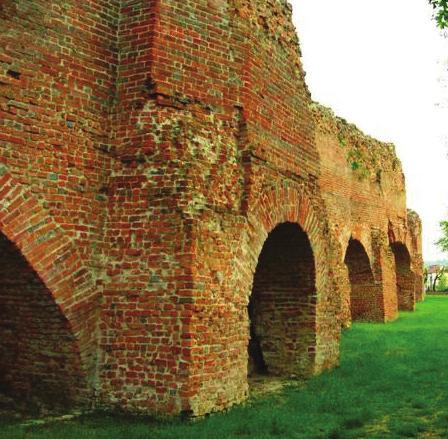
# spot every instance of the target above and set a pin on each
(39, 364)
(365, 299)
(404, 276)
(14, 74)
(282, 305)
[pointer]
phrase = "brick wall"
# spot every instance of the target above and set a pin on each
(151, 153)
(364, 191)
(57, 79)
(414, 243)
(56, 83)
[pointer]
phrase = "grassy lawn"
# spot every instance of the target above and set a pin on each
(392, 383)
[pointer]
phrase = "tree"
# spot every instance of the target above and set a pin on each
(443, 241)
(438, 276)
(441, 12)
(435, 277)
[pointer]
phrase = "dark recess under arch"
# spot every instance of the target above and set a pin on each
(39, 358)
(282, 308)
(365, 294)
(405, 277)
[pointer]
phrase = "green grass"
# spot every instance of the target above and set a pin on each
(392, 383)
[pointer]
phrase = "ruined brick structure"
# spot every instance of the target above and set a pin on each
(168, 192)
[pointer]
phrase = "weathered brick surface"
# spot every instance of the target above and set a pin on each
(57, 64)
(164, 174)
(364, 191)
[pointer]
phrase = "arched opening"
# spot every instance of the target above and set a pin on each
(39, 359)
(405, 277)
(282, 308)
(365, 295)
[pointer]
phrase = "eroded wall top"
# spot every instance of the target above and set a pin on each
(362, 178)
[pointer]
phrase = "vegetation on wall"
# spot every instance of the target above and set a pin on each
(365, 156)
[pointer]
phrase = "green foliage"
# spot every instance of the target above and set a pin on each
(392, 383)
(442, 285)
(342, 141)
(355, 165)
(356, 162)
(443, 241)
(441, 12)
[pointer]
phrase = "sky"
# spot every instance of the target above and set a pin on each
(383, 65)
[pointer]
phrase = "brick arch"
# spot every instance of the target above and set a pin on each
(282, 306)
(289, 205)
(361, 234)
(396, 233)
(58, 265)
(399, 236)
(366, 296)
(405, 278)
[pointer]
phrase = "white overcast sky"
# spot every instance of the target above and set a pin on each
(382, 65)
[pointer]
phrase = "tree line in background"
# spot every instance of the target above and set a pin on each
(441, 12)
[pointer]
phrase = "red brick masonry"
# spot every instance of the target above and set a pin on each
(168, 192)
